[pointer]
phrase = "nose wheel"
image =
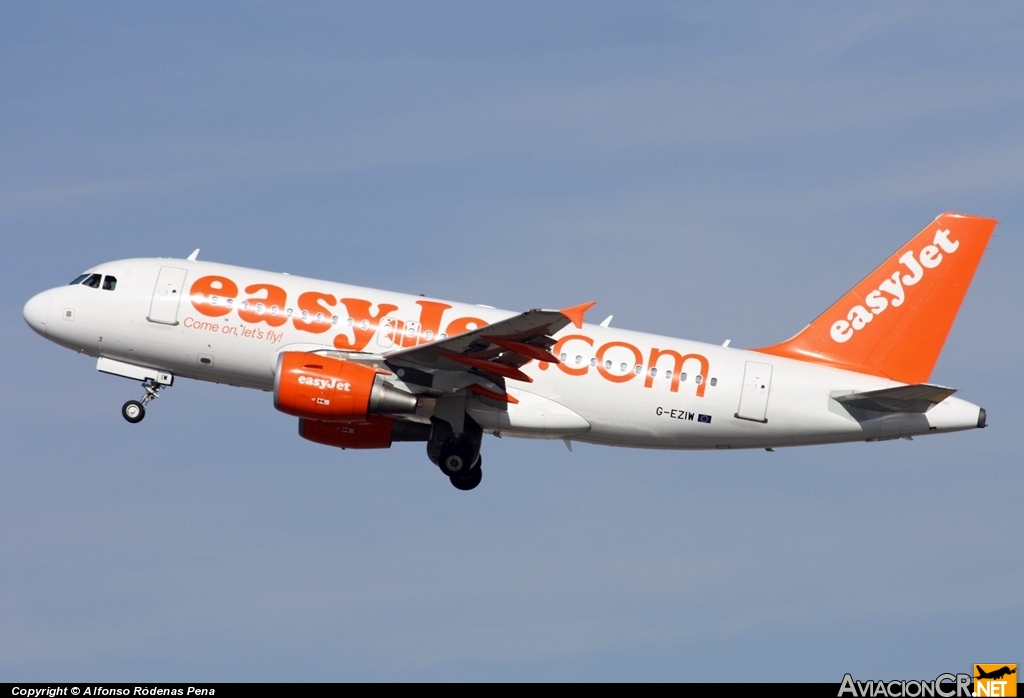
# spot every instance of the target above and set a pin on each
(134, 411)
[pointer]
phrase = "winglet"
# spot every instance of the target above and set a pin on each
(194, 256)
(577, 312)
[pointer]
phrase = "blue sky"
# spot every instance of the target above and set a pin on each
(706, 171)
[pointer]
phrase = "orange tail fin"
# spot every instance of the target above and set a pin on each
(895, 321)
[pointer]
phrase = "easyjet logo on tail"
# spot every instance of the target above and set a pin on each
(893, 290)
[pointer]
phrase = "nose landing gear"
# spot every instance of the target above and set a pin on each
(134, 411)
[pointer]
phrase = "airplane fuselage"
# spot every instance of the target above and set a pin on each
(227, 324)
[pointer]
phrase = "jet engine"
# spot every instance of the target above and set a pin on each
(375, 432)
(326, 389)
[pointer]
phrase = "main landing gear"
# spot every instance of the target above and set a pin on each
(457, 455)
(470, 479)
(135, 410)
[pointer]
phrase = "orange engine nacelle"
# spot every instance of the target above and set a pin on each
(333, 390)
(375, 432)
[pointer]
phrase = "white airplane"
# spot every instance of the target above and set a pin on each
(363, 368)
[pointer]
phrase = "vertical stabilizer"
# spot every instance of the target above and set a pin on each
(895, 321)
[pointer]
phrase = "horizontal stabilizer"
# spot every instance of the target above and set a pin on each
(917, 398)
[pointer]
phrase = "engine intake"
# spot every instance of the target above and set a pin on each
(334, 390)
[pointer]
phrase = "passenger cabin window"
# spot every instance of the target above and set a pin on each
(93, 281)
(79, 280)
(109, 283)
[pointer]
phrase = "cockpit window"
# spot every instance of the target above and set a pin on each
(109, 283)
(79, 280)
(93, 281)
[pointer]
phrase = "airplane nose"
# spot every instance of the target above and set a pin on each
(36, 311)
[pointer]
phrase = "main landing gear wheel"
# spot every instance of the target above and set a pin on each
(457, 457)
(133, 411)
(469, 480)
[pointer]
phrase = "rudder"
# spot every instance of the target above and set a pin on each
(895, 321)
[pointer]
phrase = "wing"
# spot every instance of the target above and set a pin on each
(496, 351)
(919, 398)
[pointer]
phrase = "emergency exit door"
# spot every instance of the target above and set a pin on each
(757, 383)
(166, 294)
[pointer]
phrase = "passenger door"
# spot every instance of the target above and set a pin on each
(757, 383)
(166, 295)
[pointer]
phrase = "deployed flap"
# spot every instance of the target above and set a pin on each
(498, 349)
(904, 398)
